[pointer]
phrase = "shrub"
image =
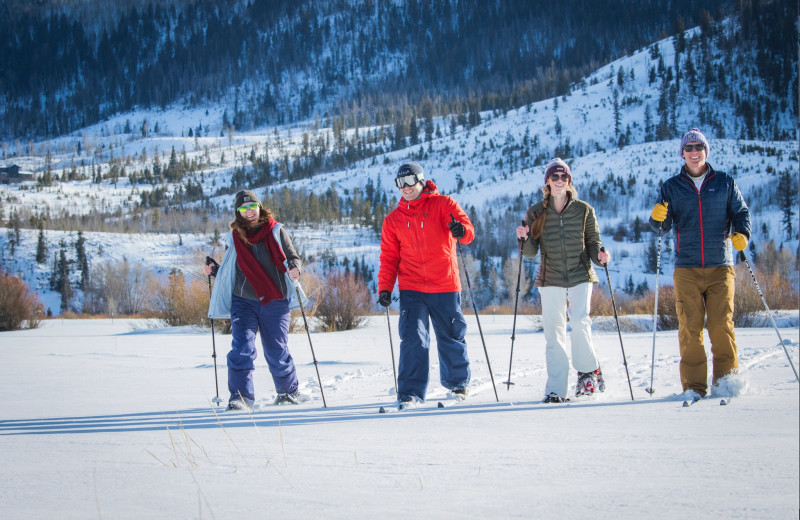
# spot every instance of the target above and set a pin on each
(601, 302)
(777, 290)
(667, 312)
(179, 303)
(312, 286)
(19, 308)
(344, 303)
(626, 305)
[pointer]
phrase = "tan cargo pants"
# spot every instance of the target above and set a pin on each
(702, 293)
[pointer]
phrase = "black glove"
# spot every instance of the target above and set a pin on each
(457, 229)
(214, 266)
(385, 298)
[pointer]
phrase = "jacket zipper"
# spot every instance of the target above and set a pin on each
(563, 246)
(702, 234)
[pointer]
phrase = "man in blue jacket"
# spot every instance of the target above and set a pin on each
(705, 208)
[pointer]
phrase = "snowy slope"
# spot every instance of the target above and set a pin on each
(113, 420)
(487, 159)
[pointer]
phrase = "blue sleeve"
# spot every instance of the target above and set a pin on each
(738, 212)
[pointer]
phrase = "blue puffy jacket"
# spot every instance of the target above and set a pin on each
(703, 220)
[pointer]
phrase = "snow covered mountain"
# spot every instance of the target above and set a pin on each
(619, 128)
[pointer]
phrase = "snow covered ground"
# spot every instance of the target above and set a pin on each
(105, 419)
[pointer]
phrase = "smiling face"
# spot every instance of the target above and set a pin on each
(251, 211)
(694, 153)
(558, 182)
(411, 192)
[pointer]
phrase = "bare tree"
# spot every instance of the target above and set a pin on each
(510, 271)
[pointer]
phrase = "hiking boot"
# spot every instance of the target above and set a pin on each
(286, 398)
(553, 397)
(237, 404)
(407, 398)
(405, 401)
(460, 393)
(692, 396)
(586, 383)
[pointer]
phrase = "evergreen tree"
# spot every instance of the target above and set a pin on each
(41, 245)
(630, 288)
(82, 260)
(637, 229)
(787, 203)
(652, 257)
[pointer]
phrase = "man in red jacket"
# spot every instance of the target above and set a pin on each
(418, 249)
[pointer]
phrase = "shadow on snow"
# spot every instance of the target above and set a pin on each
(207, 418)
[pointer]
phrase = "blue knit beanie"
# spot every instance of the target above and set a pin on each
(694, 135)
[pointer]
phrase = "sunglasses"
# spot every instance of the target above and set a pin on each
(243, 209)
(693, 147)
(406, 180)
(562, 176)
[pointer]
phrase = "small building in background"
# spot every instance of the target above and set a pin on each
(12, 175)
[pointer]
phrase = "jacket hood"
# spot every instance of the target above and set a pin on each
(430, 188)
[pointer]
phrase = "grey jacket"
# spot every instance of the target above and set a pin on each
(569, 244)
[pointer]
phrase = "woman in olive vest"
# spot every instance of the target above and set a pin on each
(564, 231)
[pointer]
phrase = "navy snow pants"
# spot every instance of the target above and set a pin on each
(444, 310)
(272, 322)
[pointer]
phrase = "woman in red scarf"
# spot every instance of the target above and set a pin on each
(254, 285)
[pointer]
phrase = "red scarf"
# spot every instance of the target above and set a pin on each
(262, 283)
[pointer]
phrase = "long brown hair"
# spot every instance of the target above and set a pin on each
(241, 225)
(536, 222)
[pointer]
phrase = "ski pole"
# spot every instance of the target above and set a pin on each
(391, 348)
(616, 318)
(650, 389)
(313, 357)
(743, 258)
(475, 308)
(216, 399)
(520, 242)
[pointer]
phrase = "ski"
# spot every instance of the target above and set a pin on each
(451, 399)
(688, 403)
(397, 408)
(449, 402)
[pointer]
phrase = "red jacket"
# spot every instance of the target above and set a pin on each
(417, 247)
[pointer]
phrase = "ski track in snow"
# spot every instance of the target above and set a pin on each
(121, 416)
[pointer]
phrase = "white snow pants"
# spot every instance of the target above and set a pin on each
(556, 302)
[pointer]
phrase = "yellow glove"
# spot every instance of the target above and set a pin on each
(659, 213)
(739, 241)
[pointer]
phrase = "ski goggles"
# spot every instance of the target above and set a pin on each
(244, 208)
(407, 180)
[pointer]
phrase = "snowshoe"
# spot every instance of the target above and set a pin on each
(286, 398)
(553, 397)
(601, 383)
(586, 383)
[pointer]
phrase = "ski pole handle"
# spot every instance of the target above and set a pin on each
(214, 266)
